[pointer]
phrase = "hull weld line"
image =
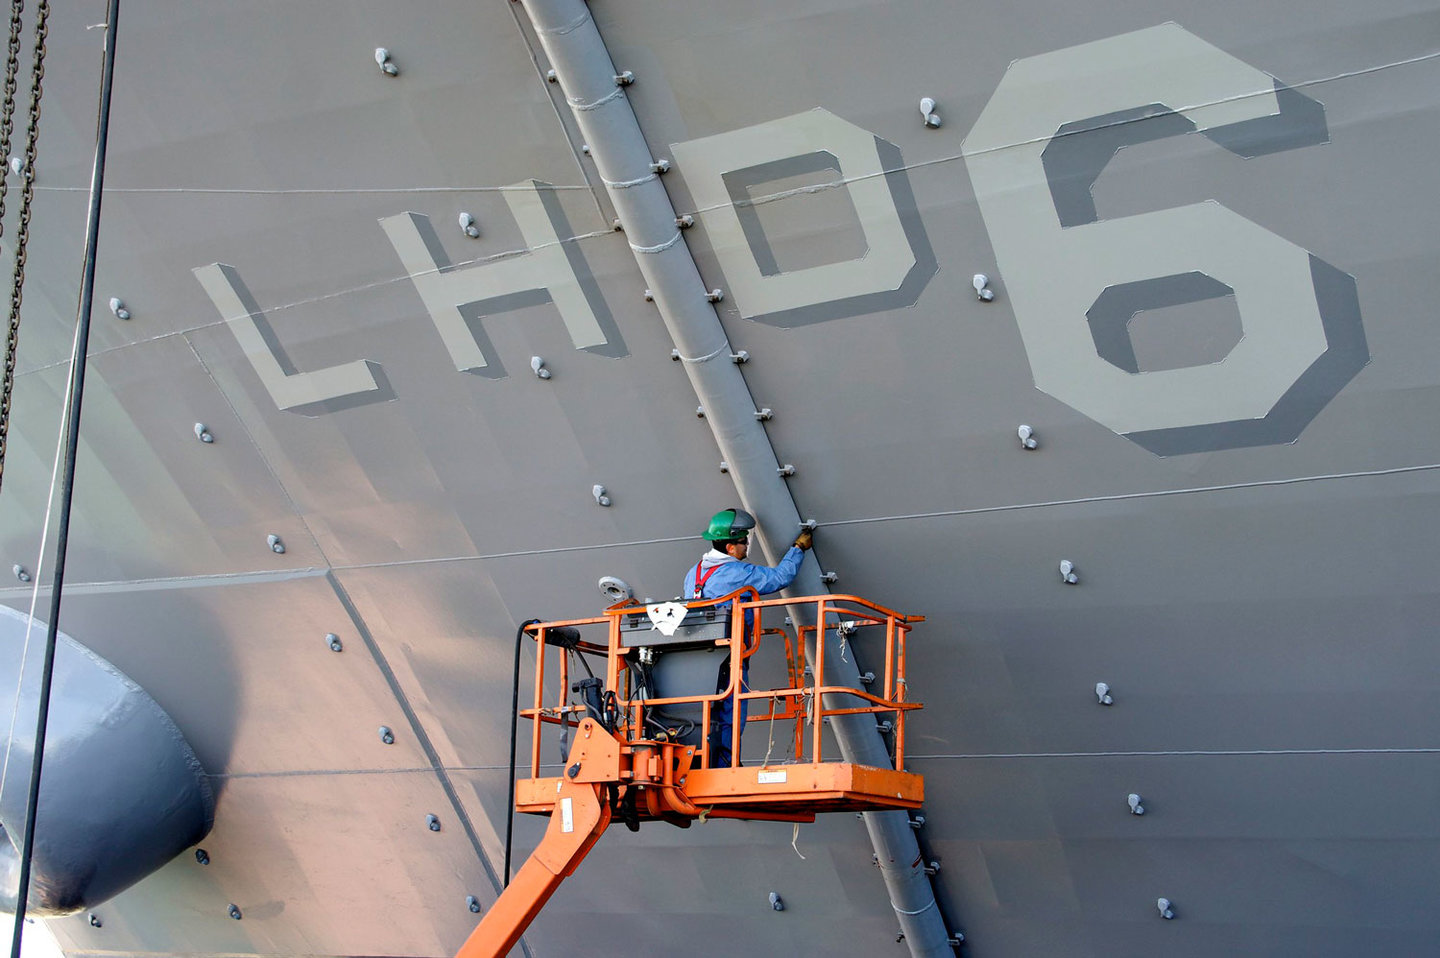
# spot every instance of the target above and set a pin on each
(509, 555)
(1121, 497)
(176, 582)
(302, 191)
(417, 728)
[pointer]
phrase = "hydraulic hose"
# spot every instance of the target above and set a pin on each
(514, 728)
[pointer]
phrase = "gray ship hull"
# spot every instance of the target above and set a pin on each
(1209, 235)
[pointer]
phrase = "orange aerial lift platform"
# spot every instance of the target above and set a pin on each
(649, 740)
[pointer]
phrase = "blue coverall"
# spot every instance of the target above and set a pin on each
(731, 574)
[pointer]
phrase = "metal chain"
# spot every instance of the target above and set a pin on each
(22, 235)
(7, 118)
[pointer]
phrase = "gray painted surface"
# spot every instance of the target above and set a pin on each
(1112, 312)
(1262, 614)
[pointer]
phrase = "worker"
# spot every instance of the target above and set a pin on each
(721, 571)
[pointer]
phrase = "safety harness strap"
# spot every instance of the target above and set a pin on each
(700, 580)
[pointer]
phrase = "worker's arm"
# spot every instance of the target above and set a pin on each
(766, 580)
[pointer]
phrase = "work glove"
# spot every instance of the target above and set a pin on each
(804, 540)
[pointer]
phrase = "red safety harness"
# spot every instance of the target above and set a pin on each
(700, 580)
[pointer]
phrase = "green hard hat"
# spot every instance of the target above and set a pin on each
(729, 524)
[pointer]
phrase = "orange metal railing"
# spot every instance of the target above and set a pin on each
(806, 696)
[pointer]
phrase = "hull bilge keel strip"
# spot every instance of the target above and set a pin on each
(588, 77)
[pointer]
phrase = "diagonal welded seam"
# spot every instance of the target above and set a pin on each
(432, 756)
(259, 451)
(557, 97)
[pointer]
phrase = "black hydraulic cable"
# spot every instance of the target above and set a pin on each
(514, 727)
(72, 445)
